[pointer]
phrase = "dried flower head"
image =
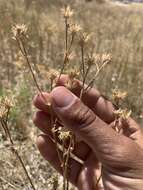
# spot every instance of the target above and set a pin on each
(19, 30)
(123, 113)
(73, 73)
(106, 58)
(7, 102)
(118, 95)
(5, 105)
(84, 38)
(64, 135)
(3, 112)
(74, 28)
(67, 12)
(53, 74)
(91, 59)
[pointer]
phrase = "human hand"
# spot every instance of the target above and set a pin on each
(121, 155)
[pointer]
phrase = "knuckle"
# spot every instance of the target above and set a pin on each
(82, 115)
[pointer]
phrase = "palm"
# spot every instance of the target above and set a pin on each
(92, 176)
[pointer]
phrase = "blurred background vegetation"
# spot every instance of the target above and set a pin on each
(116, 29)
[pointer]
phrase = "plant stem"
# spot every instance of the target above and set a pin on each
(96, 74)
(22, 48)
(66, 48)
(67, 163)
(66, 34)
(57, 149)
(24, 168)
(84, 80)
(5, 126)
(82, 61)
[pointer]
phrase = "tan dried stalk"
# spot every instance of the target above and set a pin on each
(64, 150)
(18, 36)
(4, 124)
(23, 50)
(99, 69)
(67, 12)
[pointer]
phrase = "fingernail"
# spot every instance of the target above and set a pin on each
(62, 97)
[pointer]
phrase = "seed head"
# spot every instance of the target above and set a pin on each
(5, 105)
(73, 73)
(71, 83)
(84, 38)
(3, 112)
(67, 12)
(53, 74)
(64, 135)
(106, 58)
(91, 59)
(118, 95)
(74, 28)
(19, 30)
(7, 102)
(123, 113)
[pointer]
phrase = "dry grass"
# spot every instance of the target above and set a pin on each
(116, 30)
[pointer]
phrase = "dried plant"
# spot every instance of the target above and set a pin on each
(5, 106)
(88, 60)
(120, 113)
(20, 34)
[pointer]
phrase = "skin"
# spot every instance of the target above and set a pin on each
(91, 121)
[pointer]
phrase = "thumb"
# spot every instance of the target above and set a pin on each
(77, 117)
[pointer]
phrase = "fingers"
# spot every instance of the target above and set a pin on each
(92, 98)
(48, 150)
(42, 121)
(40, 103)
(104, 141)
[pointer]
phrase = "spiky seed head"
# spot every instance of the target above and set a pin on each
(84, 38)
(74, 28)
(118, 95)
(3, 112)
(53, 74)
(123, 113)
(7, 102)
(106, 58)
(5, 105)
(91, 58)
(64, 135)
(73, 73)
(19, 30)
(67, 12)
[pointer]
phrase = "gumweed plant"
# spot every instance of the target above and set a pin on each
(121, 113)
(74, 35)
(5, 107)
